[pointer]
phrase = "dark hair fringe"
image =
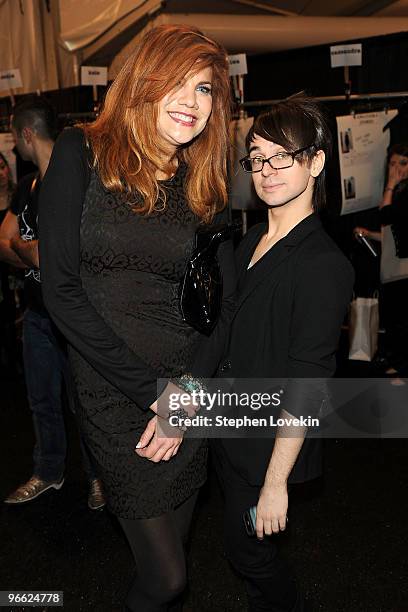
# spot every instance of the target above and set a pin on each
(400, 148)
(294, 123)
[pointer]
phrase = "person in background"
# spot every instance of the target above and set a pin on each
(120, 205)
(7, 301)
(294, 287)
(6, 186)
(394, 262)
(45, 364)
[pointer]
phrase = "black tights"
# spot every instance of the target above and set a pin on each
(158, 548)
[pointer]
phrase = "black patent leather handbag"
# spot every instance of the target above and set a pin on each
(201, 285)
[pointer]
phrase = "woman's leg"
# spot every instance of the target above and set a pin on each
(158, 548)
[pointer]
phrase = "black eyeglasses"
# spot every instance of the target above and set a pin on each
(280, 160)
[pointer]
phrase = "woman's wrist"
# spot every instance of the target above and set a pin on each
(180, 401)
(179, 418)
(190, 384)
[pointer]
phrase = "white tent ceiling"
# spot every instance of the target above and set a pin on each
(49, 39)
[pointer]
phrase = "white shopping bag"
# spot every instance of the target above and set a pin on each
(363, 328)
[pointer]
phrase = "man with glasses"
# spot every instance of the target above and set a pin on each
(294, 286)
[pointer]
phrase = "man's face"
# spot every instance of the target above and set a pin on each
(279, 187)
(22, 144)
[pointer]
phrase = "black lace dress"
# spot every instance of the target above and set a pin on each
(114, 294)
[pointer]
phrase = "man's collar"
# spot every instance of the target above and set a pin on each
(301, 230)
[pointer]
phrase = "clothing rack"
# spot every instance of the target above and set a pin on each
(342, 98)
(76, 116)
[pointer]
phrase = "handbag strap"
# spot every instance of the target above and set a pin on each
(229, 212)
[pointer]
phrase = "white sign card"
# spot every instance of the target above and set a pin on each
(346, 55)
(94, 75)
(362, 155)
(10, 79)
(237, 64)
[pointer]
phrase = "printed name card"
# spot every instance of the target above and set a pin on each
(237, 64)
(10, 79)
(346, 55)
(94, 75)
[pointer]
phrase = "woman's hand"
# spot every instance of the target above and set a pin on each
(155, 445)
(361, 231)
(160, 441)
(271, 510)
(396, 174)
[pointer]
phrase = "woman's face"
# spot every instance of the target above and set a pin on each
(399, 163)
(4, 174)
(184, 111)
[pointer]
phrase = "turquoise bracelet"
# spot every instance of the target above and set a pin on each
(188, 383)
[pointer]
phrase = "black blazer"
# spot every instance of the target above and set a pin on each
(286, 324)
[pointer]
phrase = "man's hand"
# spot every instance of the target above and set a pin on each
(8, 231)
(271, 510)
(156, 448)
(273, 499)
(27, 251)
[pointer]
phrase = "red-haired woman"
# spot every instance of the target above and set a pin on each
(120, 204)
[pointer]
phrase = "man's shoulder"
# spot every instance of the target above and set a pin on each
(25, 183)
(319, 243)
(22, 193)
(320, 258)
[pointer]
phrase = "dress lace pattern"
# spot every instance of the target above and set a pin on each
(131, 266)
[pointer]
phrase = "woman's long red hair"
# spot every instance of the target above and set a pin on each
(124, 139)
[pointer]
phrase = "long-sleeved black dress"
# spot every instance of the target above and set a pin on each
(110, 280)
